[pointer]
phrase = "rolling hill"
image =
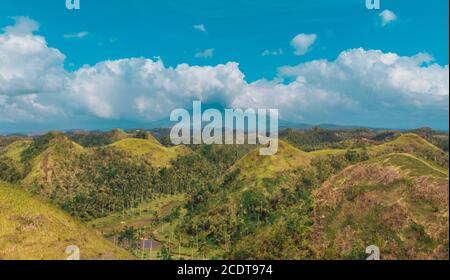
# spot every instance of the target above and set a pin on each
(47, 156)
(33, 230)
(412, 144)
(405, 143)
(275, 207)
(397, 202)
(257, 194)
(151, 149)
(384, 188)
(88, 182)
(12, 167)
(253, 166)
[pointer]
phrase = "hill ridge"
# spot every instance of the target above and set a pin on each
(33, 229)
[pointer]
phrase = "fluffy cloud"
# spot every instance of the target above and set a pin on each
(145, 89)
(303, 42)
(208, 53)
(27, 64)
(200, 27)
(272, 53)
(387, 17)
(78, 35)
(24, 26)
(383, 88)
(362, 87)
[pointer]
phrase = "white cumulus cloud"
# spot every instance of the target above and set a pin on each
(359, 87)
(302, 43)
(27, 64)
(200, 27)
(145, 89)
(208, 53)
(387, 16)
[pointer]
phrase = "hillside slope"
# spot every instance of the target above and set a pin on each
(151, 149)
(48, 155)
(254, 166)
(412, 144)
(405, 143)
(397, 202)
(12, 167)
(259, 195)
(86, 182)
(33, 230)
(240, 205)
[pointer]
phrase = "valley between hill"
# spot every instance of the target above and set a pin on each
(326, 194)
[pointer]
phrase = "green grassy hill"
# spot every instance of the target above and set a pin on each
(255, 196)
(263, 208)
(6, 140)
(90, 139)
(34, 230)
(263, 173)
(406, 143)
(397, 202)
(15, 149)
(56, 168)
(412, 144)
(437, 138)
(12, 168)
(87, 182)
(253, 166)
(151, 149)
(48, 156)
(413, 165)
(226, 201)
(118, 134)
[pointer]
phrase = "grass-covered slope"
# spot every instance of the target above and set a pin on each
(412, 144)
(254, 166)
(259, 196)
(413, 165)
(34, 230)
(15, 149)
(397, 202)
(151, 149)
(263, 174)
(12, 168)
(118, 134)
(85, 182)
(407, 143)
(48, 155)
(237, 204)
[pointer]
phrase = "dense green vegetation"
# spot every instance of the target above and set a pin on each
(92, 183)
(105, 181)
(276, 208)
(97, 138)
(319, 139)
(226, 201)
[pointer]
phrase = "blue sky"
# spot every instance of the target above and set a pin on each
(237, 30)
(258, 36)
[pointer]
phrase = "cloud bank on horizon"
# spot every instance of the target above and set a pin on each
(360, 87)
